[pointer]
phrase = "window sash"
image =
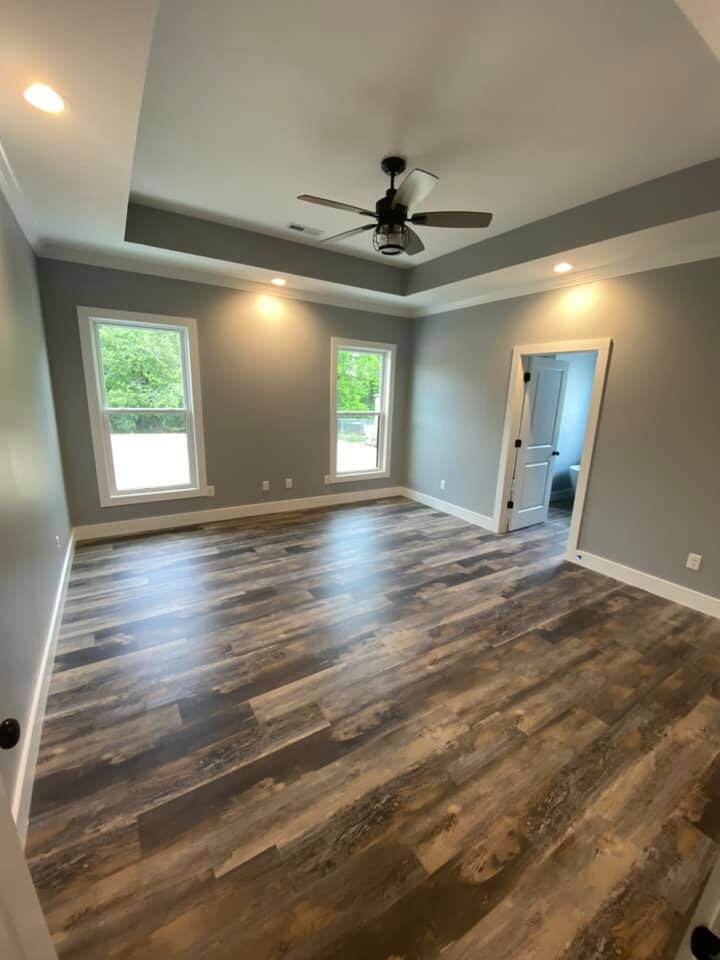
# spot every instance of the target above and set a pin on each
(379, 445)
(359, 413)
(116, 491)
(100, 413)
(107, 411)
(96, 323)
(387, 352)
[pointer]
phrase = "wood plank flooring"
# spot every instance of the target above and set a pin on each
(372, 733)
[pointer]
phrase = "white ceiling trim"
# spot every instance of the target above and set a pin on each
(684, 241)
(16, 199)
(204, 270)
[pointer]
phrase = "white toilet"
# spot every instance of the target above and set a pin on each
(574, 471)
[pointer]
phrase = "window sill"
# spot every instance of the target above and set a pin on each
(123, 499)
(350, 477)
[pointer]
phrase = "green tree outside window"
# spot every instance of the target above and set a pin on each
(359, 379)
(142, 368)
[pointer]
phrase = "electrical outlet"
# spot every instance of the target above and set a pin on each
(58, 544)
(288, 483)
(266, 484)
(693, 561)
(442, 484)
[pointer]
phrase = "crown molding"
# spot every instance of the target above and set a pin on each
(212, 273)
(16, 199)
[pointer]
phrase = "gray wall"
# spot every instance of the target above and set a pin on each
(265, 385)
(573, 419)
(32, 499)
(654, 490)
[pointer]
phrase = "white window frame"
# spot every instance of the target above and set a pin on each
(385, 415)
(89, 318)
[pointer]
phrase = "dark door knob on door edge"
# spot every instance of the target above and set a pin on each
(556, 453)
(9, 733)
(704, 944)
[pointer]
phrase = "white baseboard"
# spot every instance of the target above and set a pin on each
(646, 581)
(479, 519)
(22, 793)
(171, 521)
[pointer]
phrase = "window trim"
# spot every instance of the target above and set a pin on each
(88, 319)
(385, 420)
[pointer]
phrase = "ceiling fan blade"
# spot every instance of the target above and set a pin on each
(414, 188)
(415, 244)
(451, 218)
(307, 198)
(349, 233)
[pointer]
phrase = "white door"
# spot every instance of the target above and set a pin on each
(539, 430)
(23, 931)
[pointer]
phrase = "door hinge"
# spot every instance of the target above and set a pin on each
(518, 443)
(526, 376)
(510, 504)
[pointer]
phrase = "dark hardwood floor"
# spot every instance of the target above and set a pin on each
(372, 733)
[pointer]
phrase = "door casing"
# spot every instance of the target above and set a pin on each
(513, 411)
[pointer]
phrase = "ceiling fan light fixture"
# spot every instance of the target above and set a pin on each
(392, 231)
(391, 239)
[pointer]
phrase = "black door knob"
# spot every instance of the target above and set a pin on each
(556, 453)
(704, 944)
(9, 733)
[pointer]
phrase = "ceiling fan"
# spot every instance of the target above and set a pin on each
(392, 233)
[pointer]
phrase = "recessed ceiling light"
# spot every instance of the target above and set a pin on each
(43, 97)
(278, 281)
(563, 267)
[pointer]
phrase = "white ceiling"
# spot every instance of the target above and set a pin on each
(68, 175)
(521, 107)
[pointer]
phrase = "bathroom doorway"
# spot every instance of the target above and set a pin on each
(552, 413)
(573, 422)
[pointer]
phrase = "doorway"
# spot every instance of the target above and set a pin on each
(555, 394)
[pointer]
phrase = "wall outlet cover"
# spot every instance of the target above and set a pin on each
(288, 483)
(693, 561)
(266, 484)
(442, 484)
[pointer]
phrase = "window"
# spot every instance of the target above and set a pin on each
(361, 409)
(143, 386)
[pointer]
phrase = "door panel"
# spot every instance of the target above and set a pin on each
(547, 390)
(533, 492)
(539, 430)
